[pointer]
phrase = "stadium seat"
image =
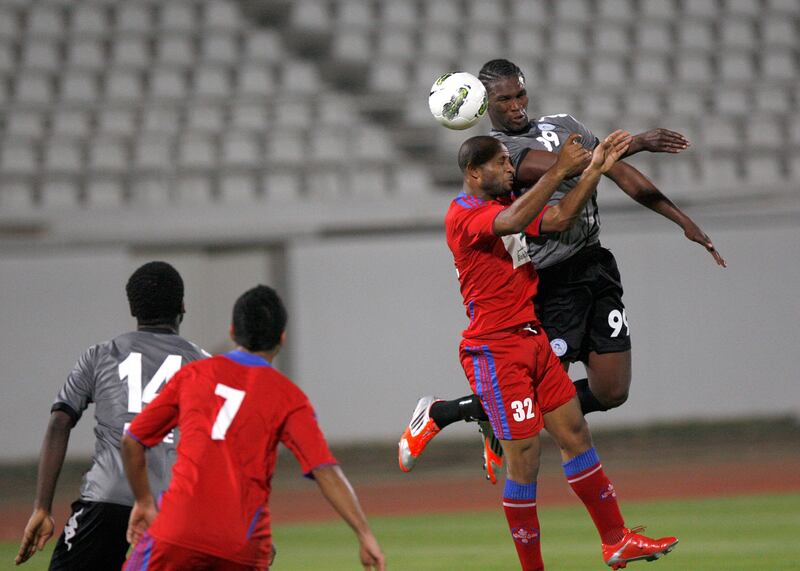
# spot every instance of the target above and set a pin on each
(764, 170)
(764, 132)
(249, 116)
(105, 193)
(33, 87)
(62, 156)
(221, 15)
(87, 54)
(238, 188)
(46, 21)
(354, 14)
(677, 176)
(694, 68)
(70, 123)
(695, 35)
(130, 52)
(8, 58)
(643, 104)
(17, 196)
(737, 33)
(482, 13)
(772, 99)
(282, 186)
(778, 65)
(569, 39)
(175, 50)
(325, 185)
(329, 145)
(117, 121)
(18, 157)
(255, 80)
(658, 9)
(351, 45)
(336, 111)
(59, 194)
(133, 17)
(779, 32)
(729, 101)
(9, 23)
(152, 153)
(89, 21)
(79, 87)
(211, 82)
(705, 9)
(197, 151)
(600, 107)
(161, 119)
(286, 147)
(310, 15)
(369, 183)
(445, 13)
(524, 12)
(387, 76)
(219, 48)
(573, 10)
(721, 134)
(721, 176)
(123, 86)
(608, 71)
(736, 67)
(240, 150)
(552, 103)
(487, 43)
(157, 191)
(262, 46)
(411, 181)
(650, 70)
(565, 71)
(396, 15)
(616, 11)
(41, 54)
(655, 37)
(784, 7)
(523, 40)
(107, 155)
(168, 84)
(295, 113)
(749, 8)
(611, 39)
(180, 17)
(24, 123)
(205, 117)
(439, 42)
(373, 144)
(299, 78)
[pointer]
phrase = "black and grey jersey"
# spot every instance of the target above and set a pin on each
(548, 133)
(121, 376)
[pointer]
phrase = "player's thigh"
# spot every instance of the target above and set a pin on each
(565, 310)
(500, 373)
(609, 330)
(551, 381)
(93, 538)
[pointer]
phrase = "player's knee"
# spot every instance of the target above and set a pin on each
(614, 397)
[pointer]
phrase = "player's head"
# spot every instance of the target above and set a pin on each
(508, 97)
(259, 320)
(486, 165)
(155, 294)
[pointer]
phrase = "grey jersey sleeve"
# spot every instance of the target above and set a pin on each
(572, 125)
(78, 392)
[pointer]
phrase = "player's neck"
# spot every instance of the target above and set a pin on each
(267, 355)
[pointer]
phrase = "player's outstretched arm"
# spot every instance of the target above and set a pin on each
(658, 140)
(144, 508)
(562, 216)
(337, 490)
(41, 524)
(572, 157)
(642, 190)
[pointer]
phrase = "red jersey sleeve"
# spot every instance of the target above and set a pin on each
(160, 416)
(477, 224)
(303, 436)
(535, 227)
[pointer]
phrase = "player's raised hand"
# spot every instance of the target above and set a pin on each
(142, 516)
(371, 555)
(572, 156)
(610, 150)
(37, 532)
(694, 233)
(661, 140)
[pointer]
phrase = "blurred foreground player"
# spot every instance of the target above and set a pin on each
(119, 376)
(232, 411)
(507, 357)
(580, 289)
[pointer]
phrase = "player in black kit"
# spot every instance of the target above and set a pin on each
(580, 294)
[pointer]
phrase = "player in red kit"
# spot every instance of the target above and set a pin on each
(232, 411)
(507, 357)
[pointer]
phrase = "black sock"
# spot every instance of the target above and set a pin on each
(589, 402)
(468, 408)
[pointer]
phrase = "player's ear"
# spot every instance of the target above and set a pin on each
(282, 339)
(231, 334)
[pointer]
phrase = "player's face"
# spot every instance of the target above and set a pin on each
(497, 174)
(508, 104)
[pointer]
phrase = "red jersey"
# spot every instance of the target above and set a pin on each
(232, 411)
(498, 281)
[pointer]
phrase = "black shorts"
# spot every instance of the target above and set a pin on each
(93, 538)
(580, 306)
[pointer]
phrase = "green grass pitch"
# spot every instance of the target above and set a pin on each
(744, 533)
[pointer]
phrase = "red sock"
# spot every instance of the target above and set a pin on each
(519, 504)
(587, 479)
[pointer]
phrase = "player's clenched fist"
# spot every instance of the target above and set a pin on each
(572, 157)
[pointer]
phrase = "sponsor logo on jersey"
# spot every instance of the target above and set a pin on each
(546, 126)
(71, 528)
(525, 535)
(559, 347)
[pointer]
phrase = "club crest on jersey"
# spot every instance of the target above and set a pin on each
(559, 347)
(546, 126)
(608, 492)
(525, 536)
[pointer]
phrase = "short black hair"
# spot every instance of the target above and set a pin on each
(498, 69)
(155, 292)
(477, 151)
(259, 319)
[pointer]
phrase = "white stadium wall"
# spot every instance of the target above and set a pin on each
(375, 322)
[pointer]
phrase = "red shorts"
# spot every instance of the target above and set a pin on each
(518, 379)
(149, 554)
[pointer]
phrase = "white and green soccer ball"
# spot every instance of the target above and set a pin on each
(458, 100)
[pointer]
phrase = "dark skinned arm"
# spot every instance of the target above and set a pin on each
(144, 508)
(658, 140)
(41, 524)
(572, 157)
(642, 190)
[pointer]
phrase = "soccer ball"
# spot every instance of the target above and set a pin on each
(458, 100)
